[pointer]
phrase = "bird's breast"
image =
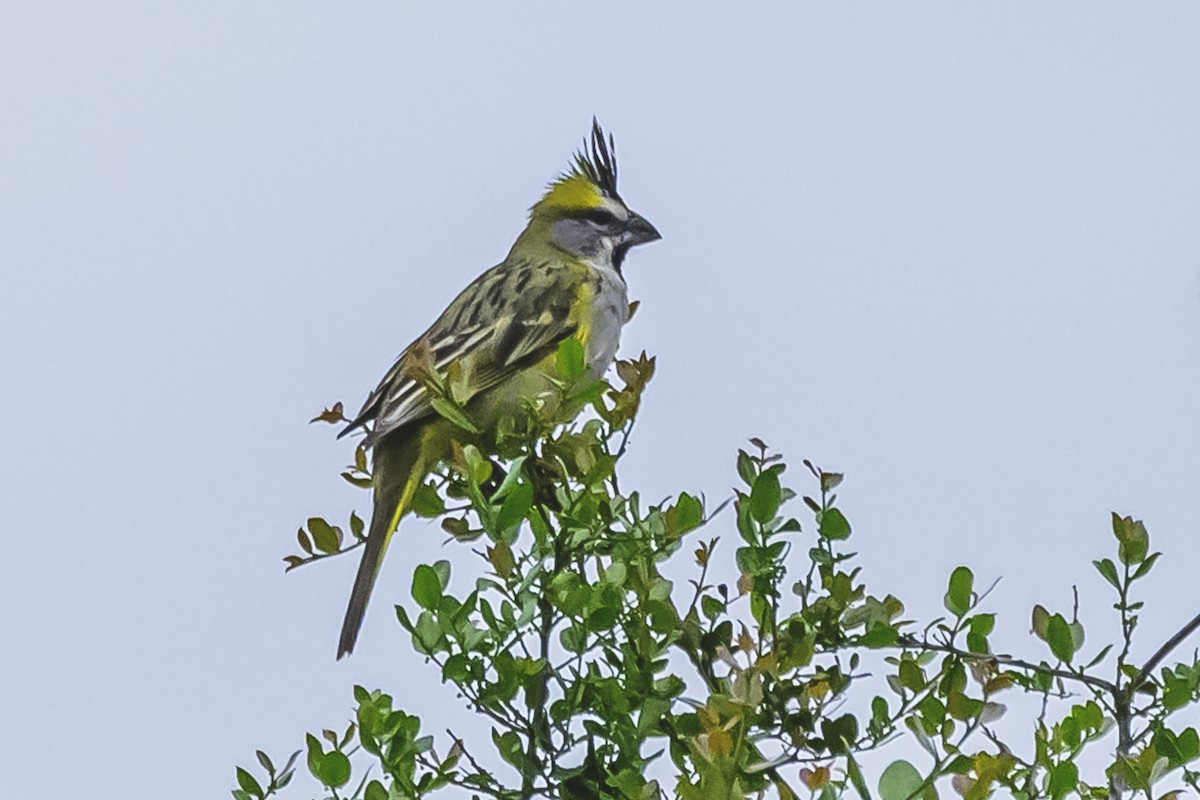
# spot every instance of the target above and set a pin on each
(605, 310)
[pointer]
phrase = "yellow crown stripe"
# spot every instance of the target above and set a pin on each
(571, 192)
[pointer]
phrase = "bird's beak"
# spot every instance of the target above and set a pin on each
(638, 230)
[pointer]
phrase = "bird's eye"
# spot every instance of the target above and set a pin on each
(599, 216)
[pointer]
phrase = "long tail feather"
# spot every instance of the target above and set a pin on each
(397, 475)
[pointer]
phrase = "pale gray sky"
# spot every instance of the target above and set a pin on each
(951, 249)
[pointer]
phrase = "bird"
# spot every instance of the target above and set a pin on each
(563, 278)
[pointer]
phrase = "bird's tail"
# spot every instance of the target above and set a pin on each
(397, 474)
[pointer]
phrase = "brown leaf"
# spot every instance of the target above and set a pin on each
(646, 365)
(768, 664)
(998, 683)
(501, 558)
(814, 778)
(745, 641)
(720, 743)
(627, 371)
(333, 415)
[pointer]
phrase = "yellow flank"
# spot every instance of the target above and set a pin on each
(570, 192)
(410, 488)
(582, 311)
(432, 444)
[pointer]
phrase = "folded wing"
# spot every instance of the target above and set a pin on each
(510, 318)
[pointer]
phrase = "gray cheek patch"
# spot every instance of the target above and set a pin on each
(577, 236)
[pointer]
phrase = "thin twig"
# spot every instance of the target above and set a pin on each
(1164, 651)
(918, 644)
(467, 753)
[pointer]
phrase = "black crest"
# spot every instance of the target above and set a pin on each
(598, 160)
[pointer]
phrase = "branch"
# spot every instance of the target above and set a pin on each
(1099, 683)
(1164, 651)
(539, 698)
(480, 771)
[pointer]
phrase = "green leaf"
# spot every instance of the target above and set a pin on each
(360, 481)
(402, 616)
(833, 525)
(1064, 778)
(1108, 570)
(711, 607)
(515, 507)
(511, 478)
(686, 514)
(1076, 636)
(456, 668)
(479, 468)
(1188, 743)
(962, 707)
(840, 734)
(570, 359)
(426, 502)
(1146, 566)
(324, 536)
(745, 467)
(1176, 694)
(334, 770)
(315, 753)
(574, 638)
(449, 411)
(1132, 538)
(442, 568)
(983, 624)
(426, 587)
(616, 573)
(900, 781)
(1060, 638)
(509, 746)
(911, 676)
(852, 770)
(1041, 621)
(427, 634)
(765, 496)
(248, 783)
(958, 596)
(375, 791)
(880, 635)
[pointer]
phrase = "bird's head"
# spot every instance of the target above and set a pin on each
(582, 213)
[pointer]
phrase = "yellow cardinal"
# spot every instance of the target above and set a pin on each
(562, 278)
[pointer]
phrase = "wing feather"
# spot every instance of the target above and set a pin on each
(508, 331)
